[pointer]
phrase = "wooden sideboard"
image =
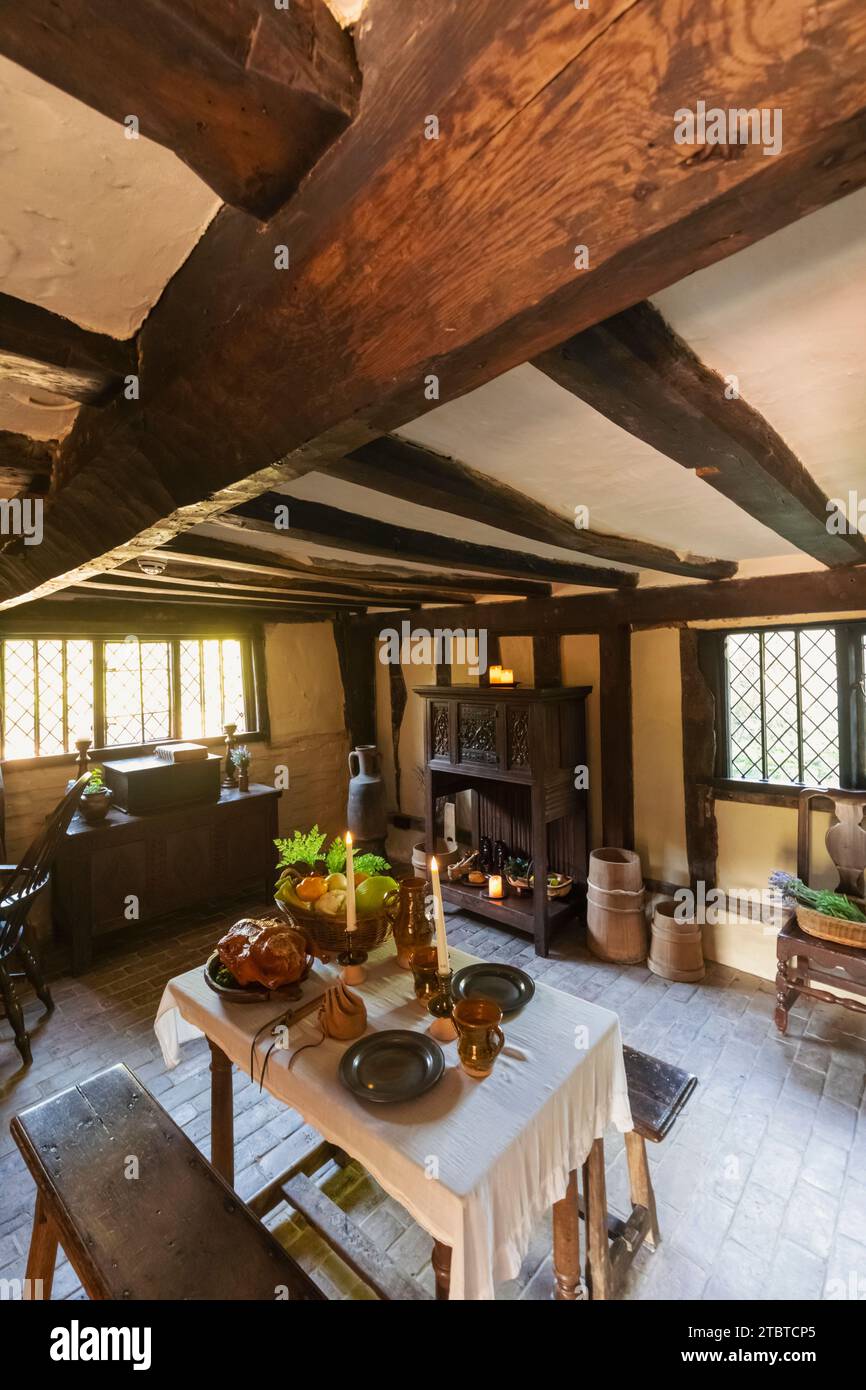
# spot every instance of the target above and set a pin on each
(156, 864)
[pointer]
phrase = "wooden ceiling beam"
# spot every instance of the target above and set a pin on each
(145, 590)
(43, 351)
(73, 611)
(247, 94)
(25, 464)
(302, 590)
(252, 375)
(638, 373)
(775, 597)
(318, 524)
(251, 560)
(398, 468)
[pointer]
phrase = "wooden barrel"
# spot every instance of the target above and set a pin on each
(615, 869)
(677, 951)
(616, 924)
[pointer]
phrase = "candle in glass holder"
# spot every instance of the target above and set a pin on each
(350, 883)
(494, 886)
(495, 674)
(506, 676)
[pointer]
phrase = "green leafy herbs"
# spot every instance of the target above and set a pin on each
(369, 864)
(96, 783)
(306, 848)
(819, 899)
(303, 847)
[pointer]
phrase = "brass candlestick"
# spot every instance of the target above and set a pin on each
(83, 745)
(442, 1028)
(230, 776)
(352, 960)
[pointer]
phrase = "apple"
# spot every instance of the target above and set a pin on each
(371, 894)
(335, 882)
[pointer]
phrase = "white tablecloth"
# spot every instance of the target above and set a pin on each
(476, 1163)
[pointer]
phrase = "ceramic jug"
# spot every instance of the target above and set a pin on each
(367, 815)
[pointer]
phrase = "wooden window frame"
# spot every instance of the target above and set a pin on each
(254, 676)
(851, 692)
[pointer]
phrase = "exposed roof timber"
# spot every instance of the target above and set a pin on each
(100, 586)
(25, 463)
(252, 376)
(248, 95)
(301, 591)
(400, 469)
(636, 371)
(117, 614)
(41, 350)
(316, 523)
(252, 560)
(838, 590)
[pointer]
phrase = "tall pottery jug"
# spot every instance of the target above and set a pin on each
(367, 815)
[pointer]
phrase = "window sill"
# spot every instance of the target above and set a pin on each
(768, 793)
(100, 755)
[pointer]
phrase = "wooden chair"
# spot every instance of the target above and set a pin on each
(20, 886)
(140, 1212)
(657, 1093)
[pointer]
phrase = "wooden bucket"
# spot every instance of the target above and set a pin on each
(616, 925)
(615, 870)
(677, 951)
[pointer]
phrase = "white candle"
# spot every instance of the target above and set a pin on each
(494, 886)
(439, 916)
(350, 883)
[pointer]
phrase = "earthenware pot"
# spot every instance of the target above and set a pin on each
(367, 814)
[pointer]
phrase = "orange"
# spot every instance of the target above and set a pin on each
(360, 876)
(311, 888)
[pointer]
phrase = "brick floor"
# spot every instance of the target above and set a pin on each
(761, 1186)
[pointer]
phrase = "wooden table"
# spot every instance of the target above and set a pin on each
(132, 869)
(391, 1146)
(805, 960)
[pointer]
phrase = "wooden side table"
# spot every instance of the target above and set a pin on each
(804, 961)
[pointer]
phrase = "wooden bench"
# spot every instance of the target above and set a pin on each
(657, 1093)
(140, 1212)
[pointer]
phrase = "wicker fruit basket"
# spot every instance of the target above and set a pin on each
(327, 935)
(837, 929)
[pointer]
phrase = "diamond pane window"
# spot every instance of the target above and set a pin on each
(137, 692)
(211, 687)
(783, 710)
(121, 692)
(47, 695)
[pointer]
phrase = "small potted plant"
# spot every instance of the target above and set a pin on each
(241, 760)
(96, 798)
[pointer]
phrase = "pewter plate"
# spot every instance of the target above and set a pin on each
(507, 986)
(393, 1065)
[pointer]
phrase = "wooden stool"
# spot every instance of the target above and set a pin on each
(657, 1092)
(804, 962)
(142, 1214)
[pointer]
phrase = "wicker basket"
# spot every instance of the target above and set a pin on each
(836, 929)
(327, 935)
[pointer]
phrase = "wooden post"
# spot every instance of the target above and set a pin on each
(222, 1121)
(42, 1255)
(546, 660)
(640, 1182)
(699, 757)
(566, 1244)
(441, 1260)
(356, 651)
(599, 1276)
(616, 738)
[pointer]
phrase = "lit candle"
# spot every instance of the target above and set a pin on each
(506, 676)
(439, 917)
(495, 888)
(495, 675)
(350, 883)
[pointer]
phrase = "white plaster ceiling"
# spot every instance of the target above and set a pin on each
(92, 225)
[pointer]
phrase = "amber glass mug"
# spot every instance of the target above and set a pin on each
(479, 1036)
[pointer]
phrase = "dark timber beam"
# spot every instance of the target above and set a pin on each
(43, 351)
(699, 764)
(145, 590)
(252, 560)
(302, 590)
(318, 524)
(25, 464)
(841, 590)
(76, 613)
(357, 658)
(247, 94)
(397, 468)
(634, 369)
(420, 269)
(617, 777)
